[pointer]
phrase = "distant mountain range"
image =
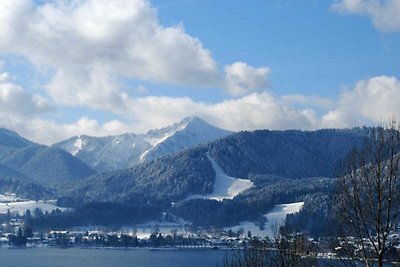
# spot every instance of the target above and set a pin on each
(127, 150)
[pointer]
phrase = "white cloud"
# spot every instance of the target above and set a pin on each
(370, 102)
(89, 46)
(383, 13)
(307, 101)
(16, 102)
(241, 79)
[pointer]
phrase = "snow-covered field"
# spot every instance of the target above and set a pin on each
(275, 218)
(23, 206)
(225, 187)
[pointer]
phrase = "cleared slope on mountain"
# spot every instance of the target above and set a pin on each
(127, 150)
(225, 187)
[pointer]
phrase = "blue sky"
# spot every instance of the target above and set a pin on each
(108, 67)
(309, 48)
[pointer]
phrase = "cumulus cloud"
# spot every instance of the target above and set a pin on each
(370, 102)
(383, 13)
(242, 79)
(16, 102)
(89, 46)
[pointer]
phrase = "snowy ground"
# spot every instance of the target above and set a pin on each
(225, 187)
(145, 230)
(275, 218)
(23, 206)
(8, 197)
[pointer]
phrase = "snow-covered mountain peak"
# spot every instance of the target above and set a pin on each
(126, 150)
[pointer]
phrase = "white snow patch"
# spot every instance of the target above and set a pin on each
(143, 155)
(225, 187)
(78, 144)
(8, 197)
(275, 218)
(154, 141)
(164, 133)
(23, 206)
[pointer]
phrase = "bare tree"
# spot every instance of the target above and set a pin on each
(368, 201)
(279, 252)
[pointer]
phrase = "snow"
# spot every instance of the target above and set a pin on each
(78, 144)
(225, 187)
(275, 218)
(145, 230)
(126, 150)
(22, 206)
(8, 197)
(143, 156)
(155, 140)
(156, 137)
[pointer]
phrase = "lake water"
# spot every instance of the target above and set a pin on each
(75, 257)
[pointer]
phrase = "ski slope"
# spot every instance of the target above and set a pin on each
(275, 218)
(225, 187)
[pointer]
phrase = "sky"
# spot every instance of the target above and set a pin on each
(97, 67)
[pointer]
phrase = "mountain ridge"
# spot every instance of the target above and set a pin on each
(127, 150)
(21, 159)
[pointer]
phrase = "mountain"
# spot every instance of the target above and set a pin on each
(7, 172)
(11, 141)
(22, 159)
(127, 150)
(282, 166)
(292, 153)
(248, 155)
(47, 165)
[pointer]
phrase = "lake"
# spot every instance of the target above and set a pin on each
(76, 257)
